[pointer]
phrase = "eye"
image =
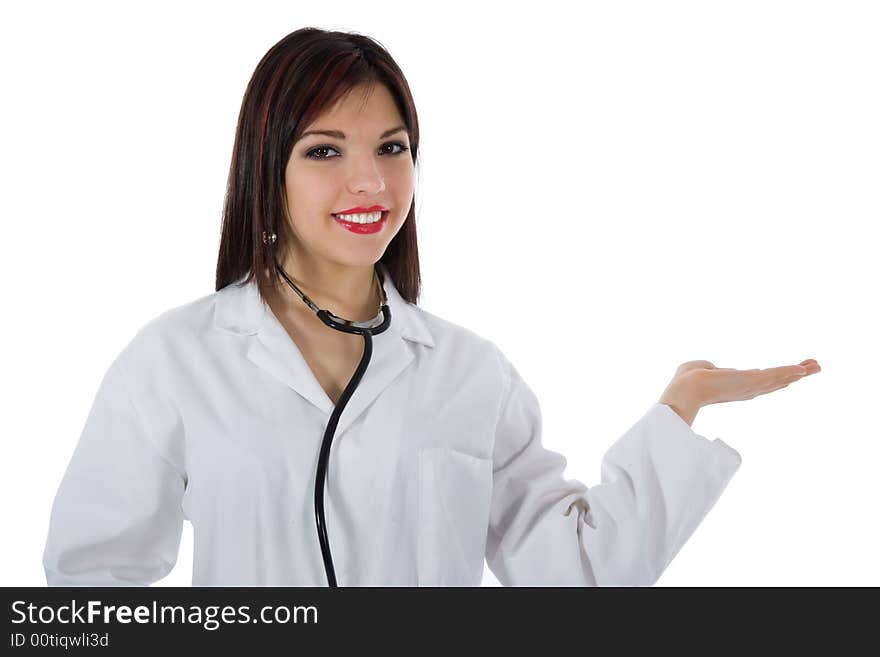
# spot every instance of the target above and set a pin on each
(314, 153)
(311, 154)
(403, 147)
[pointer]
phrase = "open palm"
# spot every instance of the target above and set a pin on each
(706, 384)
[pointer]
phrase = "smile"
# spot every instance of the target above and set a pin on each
(362, 223)
(361, 218)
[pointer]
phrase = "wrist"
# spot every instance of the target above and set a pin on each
(686, 413)
(684, 407)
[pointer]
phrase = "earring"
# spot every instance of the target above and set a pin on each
(269, 238)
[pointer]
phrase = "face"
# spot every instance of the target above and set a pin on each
(330, 174)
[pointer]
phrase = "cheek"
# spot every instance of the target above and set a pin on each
(401, 182)
(309, 198)
(404, 174)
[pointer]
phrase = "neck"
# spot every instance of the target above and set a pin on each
(348, 292)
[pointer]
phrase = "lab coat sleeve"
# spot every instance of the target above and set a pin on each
(659, 480)
(117, 518)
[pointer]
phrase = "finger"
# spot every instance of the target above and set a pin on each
(733, 385)
(773, 375)
(812, 365)
(778, 384)
(784, 383)
(757, 381)
(764, 392)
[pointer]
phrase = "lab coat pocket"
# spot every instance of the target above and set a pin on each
(455, 492)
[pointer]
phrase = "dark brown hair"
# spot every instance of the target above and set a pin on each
(305, 73)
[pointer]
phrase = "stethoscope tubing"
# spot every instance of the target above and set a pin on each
(346, 326)
(324, 457)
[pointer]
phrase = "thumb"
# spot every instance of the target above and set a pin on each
(694, 365)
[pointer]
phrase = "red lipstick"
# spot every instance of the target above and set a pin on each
(363, 229)
(372, 208)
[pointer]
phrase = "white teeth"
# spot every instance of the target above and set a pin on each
(366, 218)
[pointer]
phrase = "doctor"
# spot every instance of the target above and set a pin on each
(215, 411)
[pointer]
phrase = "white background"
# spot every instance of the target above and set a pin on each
(606, 190)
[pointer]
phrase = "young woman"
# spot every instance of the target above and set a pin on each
(374, 444)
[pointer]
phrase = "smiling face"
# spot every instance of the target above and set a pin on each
(330, 174)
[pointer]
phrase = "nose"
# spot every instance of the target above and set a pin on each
(365, 178)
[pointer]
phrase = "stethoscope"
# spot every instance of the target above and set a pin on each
(368, 332)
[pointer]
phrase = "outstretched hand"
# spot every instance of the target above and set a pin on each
(699, 383)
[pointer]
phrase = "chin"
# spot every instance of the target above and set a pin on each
(364, 258)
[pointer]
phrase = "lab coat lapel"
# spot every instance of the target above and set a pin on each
(274, 352)
(270, 348)
(393, 352)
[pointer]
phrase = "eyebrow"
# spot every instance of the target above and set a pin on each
(338, 134)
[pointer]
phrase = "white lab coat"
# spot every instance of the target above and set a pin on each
(211, 414)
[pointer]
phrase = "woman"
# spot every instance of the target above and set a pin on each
(218, 410)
